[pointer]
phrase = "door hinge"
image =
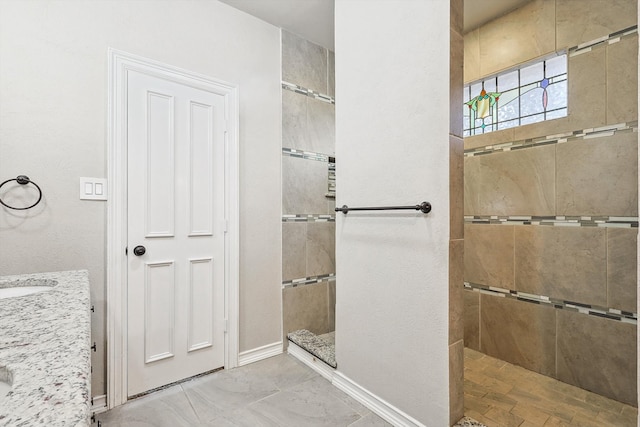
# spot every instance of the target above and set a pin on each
(126, 251)
(226, 325)
(93, 308)
(93, 347)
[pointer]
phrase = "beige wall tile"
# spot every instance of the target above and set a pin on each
(622, 80)
(542, 129)
(456, 188)
(472, 319)
(294, 120)
(332, 74)
(294, 249)
(587, 89)
(456, 291)
(321, 248)
(524, 34)
(304, 63)
(472, 56)
(331, 288)
(305, 307)
(491, 138)
(519, 332)
(562, 262)
(622, 277)
(598, 176)
(518, 182)
(456, 64)
(580, 21)
(456, 382)
(598, 355)
(304, 184)
(321, 126)
(488, 255)
(456, 14)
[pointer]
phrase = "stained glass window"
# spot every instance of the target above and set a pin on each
(518, 97)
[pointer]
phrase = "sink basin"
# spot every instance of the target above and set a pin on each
(5, 384)
(19, 288)
(22, 291)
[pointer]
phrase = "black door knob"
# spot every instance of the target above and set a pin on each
(139, 250)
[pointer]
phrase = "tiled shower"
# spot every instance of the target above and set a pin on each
(551, 208)
(308, 187)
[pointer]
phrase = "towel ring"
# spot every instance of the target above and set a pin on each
(22, 180)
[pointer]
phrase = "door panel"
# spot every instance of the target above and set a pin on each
(159, 330)
(201, 174)
(159, 207)
(175, 146)
(201, 309)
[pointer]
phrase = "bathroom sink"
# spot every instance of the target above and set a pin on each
(20, 288)
(20, 291)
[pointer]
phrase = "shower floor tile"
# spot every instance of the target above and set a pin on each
(498, 393)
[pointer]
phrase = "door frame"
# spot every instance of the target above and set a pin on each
(119, 63)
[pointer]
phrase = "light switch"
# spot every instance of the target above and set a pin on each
(93, 188)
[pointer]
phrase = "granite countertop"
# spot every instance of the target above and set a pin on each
(45, 351)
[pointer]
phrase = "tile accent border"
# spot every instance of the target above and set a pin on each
(609, 39)
(558, 221)
(593, 310)
(308, 92)
(292, 152)
(260, 353)
(308, 218)
(560, 138)
(308, 280)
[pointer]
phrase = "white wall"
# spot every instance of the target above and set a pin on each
(53, 87)
(392, 136)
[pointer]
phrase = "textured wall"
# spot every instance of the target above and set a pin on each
(53, 87)
(392, 146)
(567, 173)
(308, 227)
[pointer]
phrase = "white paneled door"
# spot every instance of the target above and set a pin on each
(176, 225)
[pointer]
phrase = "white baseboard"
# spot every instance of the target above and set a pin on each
(99, 404)
(260, 353)
(379, 406)
(311, 361)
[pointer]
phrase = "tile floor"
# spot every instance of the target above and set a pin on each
(283, 392)
(500, 394)
(279, 391)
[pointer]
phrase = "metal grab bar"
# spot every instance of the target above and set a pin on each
(425, 207)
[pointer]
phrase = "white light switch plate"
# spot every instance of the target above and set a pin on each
(93, 188)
